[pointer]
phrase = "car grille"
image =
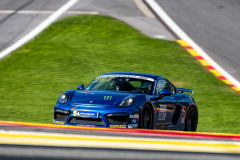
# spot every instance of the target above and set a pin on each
(60, 116)
(117, 119)
(89, 121)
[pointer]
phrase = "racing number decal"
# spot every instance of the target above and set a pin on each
(162, 113)
(107, 98)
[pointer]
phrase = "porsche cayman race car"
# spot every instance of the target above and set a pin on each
(128, 100)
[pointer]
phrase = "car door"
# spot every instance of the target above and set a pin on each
(166, 105)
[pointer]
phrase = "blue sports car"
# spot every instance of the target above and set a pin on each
(128, 100)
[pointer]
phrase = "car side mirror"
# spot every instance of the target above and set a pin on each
(165, 92)
(80, 87)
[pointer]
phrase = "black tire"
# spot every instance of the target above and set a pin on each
(191, 120)
(146, 117)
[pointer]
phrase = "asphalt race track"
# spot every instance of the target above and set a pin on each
(214, 25)
(13, 152)
(19, 17)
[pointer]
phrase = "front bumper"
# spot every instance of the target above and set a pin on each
(114, 117)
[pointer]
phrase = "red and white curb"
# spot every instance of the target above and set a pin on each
(193, 48)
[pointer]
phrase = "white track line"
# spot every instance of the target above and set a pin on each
(39, 28)
(161, 13)
(45, 12)
(141, 6)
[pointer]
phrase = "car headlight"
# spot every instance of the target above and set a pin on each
(63, 99)
(127, 102)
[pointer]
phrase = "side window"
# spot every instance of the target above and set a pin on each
(173, 89)
(167, 86)
(135, 83)
(111, 85)
(161, 84)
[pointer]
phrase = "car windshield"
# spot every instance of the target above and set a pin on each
(123, 83)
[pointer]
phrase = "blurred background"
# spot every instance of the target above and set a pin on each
(98, 36)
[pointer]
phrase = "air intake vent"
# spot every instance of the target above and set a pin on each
(60, 116)
(89, 121)
(176, 115)
(118, 118)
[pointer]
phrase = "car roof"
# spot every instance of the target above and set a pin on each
(155, 77)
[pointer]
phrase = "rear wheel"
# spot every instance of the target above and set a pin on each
(191, 120)
(146, 117)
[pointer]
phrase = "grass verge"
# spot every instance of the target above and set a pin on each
(74, 50)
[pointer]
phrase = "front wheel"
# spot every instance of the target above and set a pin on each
(191, 120)
(146, 117)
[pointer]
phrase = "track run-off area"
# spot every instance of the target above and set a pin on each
(23, 140)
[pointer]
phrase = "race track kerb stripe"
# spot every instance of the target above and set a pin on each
(56, 139)
(206, 64)
(165, 133)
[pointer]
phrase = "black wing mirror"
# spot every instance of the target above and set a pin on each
(80, 87)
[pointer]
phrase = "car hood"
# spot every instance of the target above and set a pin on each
(98, 97)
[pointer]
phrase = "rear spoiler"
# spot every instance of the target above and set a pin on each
(185, 90)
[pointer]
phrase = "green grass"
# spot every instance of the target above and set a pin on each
(77, 49)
